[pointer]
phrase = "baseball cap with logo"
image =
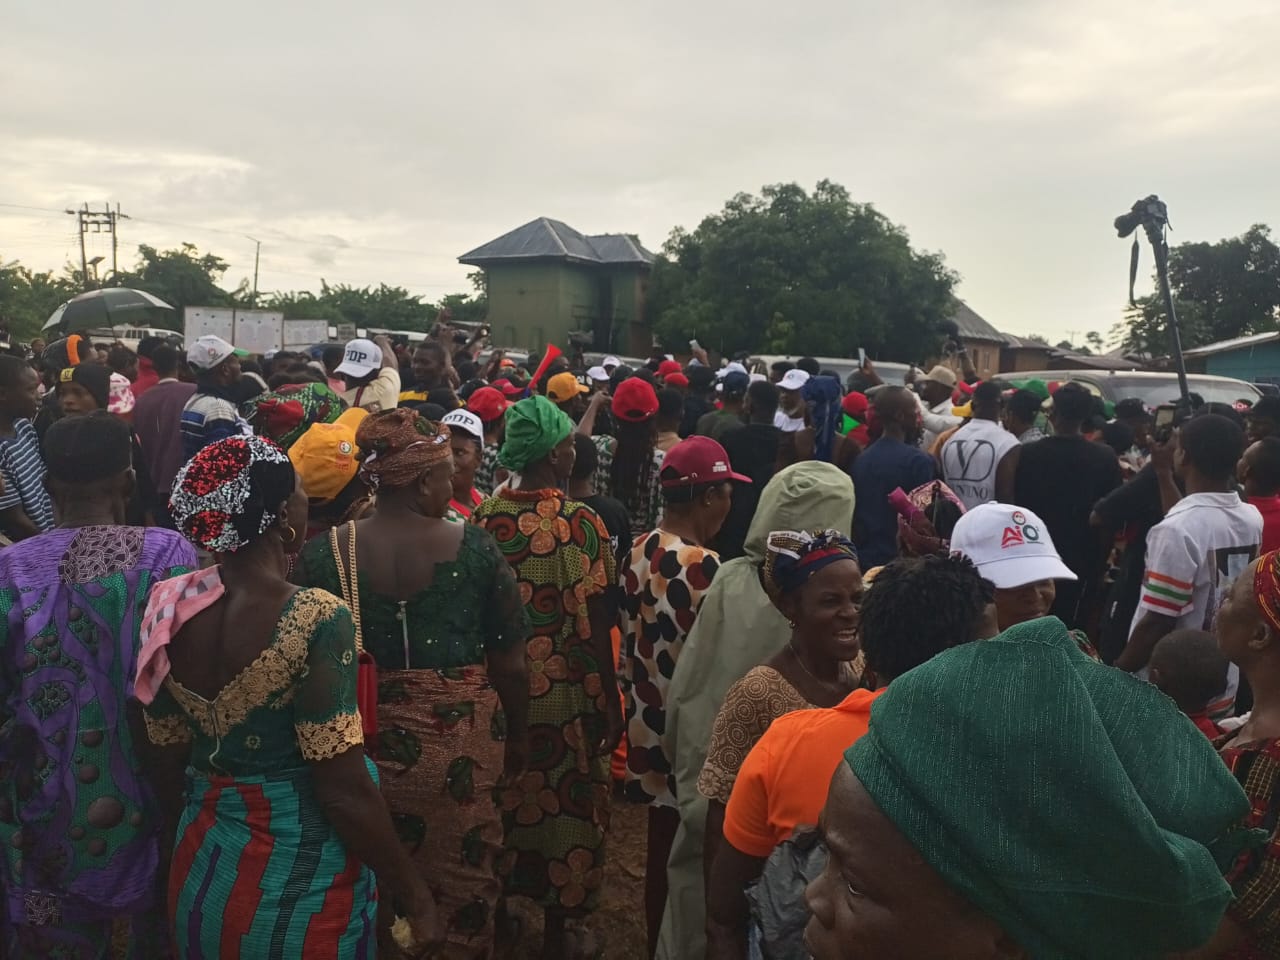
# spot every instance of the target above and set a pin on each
(793, 379)
(697, 460)
(488, 404)
(564, 386)
(209, 351)
(325, 456)
(1009, 545)
(467, 422)
(360, 358)
(598, 374)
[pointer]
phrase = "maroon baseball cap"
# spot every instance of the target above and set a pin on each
(488, 404)
(508, 388)
(634, 401)
(698, 460)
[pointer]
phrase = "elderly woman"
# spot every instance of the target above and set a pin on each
(73, 599)
(815, 581)
(555, 815)
(250, 686)
(1075, 815)
(439, 610)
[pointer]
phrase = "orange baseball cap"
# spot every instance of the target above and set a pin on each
(326, 455)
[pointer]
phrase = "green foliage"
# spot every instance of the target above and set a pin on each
(27, 298)
(795, 272)
(182, 278)
(1221, 290)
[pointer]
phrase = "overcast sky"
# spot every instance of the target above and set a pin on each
(376, 141)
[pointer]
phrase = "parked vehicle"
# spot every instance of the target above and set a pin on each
(846, 367)
(132, 336)
(1152, 388)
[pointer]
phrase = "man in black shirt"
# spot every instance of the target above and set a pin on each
(699, 400)
(1060, 478)
(753, 452)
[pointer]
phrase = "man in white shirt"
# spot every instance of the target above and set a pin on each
(791, 401)
(980, 460)
(372, 374)
(935, 392)
(1195, 553)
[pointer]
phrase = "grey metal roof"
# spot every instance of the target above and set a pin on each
(547, 239)
(973, 327)
(1022, 342)
(1238, 343)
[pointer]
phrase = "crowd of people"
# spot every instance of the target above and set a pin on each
(350, 653)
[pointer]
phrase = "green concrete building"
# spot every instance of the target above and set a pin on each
(546, 280)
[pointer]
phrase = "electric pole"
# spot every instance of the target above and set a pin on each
(257, 250)
(98, 220)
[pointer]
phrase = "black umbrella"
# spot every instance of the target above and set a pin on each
(101, 308)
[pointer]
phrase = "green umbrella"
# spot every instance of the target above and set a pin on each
(102, 308)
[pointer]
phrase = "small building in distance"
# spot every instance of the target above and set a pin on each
(1254, 359)
(983, 341)
(545, 281)
(1021, 353)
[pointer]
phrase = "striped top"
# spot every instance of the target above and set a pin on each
(206, 419)
(22, 469)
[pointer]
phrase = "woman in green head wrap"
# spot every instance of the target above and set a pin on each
(1075, 815)
(559, 550)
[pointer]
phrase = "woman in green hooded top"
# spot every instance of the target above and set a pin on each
(737, 628)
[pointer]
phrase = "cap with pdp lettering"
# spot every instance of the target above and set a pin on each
(360, 358)
(465, 421)
(697, 460)
(1009, 545)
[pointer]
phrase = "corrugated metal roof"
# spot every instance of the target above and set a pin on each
(973, 327)
(1223, 346)
(547, 239)
(1019, 342)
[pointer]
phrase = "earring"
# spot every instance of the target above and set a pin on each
(288, 534)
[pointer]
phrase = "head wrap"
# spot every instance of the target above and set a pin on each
(822, 397)
(398, 446)
(93, 377)
(229, 493)
(1078, 808)
(285, 414)
(534, 427)
(120, 398)
(1266, 588)
(920, 533)
(79, 450)
(794, 556)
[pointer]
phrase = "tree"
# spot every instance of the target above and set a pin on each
(1221, 290)
(28, 298)
(182, 278)
(800, 273)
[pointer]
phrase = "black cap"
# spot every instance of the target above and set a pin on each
(80, 450)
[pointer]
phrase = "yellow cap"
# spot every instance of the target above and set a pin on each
(325, 456)
(564, 386)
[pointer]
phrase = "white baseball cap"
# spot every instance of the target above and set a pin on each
(466, 421)
(360, 358)
(209, 351)
(598, 374)
(1009, 545)
(729, 368)
(793, 379)
(609, 362)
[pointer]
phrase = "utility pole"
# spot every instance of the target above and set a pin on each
(97, 220)
(257, 250)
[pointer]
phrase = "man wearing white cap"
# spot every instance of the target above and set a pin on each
(790, 415)
(466, 436)
(372, 374)
(1012, 548)
(610, 364)
(212, 413)
(935, 391)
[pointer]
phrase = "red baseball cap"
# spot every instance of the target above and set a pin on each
(668, 367)
(488, 404)
(698, 460)
(634, 400)
(675, 380)
(507, 387)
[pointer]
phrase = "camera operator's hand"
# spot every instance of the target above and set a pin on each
(868, 370)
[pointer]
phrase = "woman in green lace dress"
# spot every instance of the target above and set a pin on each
(250, 685)
(441, 614)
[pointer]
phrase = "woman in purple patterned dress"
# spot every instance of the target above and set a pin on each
(78, 829)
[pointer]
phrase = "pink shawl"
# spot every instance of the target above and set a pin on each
(171, 604)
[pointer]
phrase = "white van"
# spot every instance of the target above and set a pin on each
(132, 336)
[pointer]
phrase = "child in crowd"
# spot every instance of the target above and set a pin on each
(1188, 667)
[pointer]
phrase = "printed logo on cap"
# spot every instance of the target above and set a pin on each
(345, 447)
(356, 356)
(720, 467)
(1020, 533)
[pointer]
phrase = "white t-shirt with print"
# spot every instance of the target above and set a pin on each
(971, 457)
(1193, 556)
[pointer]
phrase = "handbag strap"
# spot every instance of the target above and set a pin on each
(349, 584)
